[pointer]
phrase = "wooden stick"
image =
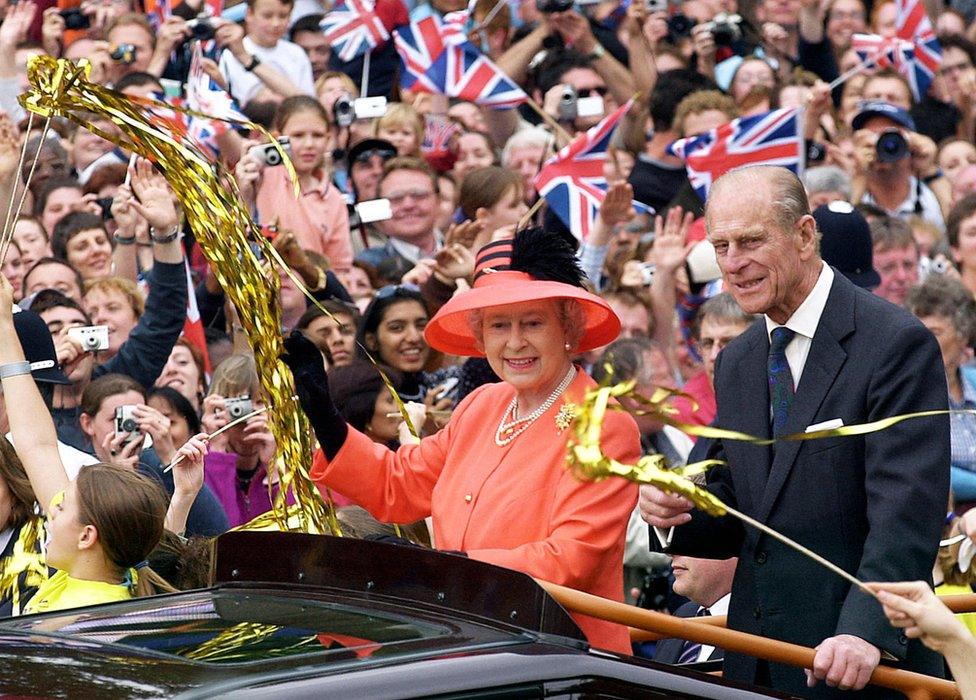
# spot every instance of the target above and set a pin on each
(27, 181)
(236, 421)
(548, 119)
(530, 213)
(851, 72)
(801, 549)
(8, 225)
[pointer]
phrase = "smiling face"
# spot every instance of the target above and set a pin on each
(525, 344)
(90, 253)
(767, 269)
(399, 338)
(110, 307)
(181, 373)
(414, 204)
(309, 135)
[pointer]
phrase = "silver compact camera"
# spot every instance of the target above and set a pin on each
(126, 424)
(238, 406)
(91, 338)
(268, 154)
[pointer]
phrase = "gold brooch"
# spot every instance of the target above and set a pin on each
(565, 416)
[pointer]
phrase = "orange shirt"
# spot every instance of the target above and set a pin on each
(516, 506)
(318, 218)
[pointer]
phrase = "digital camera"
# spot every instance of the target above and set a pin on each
(91, 338)
(344, 111)
(238, 406)
(891, 146)
(268, 154)
(201, 28)
(126, 424)
(725, 28)
(74, 18)
(550, 6)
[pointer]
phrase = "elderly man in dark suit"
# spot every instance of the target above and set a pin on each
(825, 354)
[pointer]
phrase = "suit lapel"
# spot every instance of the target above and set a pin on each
(824, 362)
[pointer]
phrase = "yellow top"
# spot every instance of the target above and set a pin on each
(61, 591)
(968, 619)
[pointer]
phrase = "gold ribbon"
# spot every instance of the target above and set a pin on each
(223, 228)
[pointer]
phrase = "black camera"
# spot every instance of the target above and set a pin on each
(550, 6)
(123, 53)
(74, 18)
(105, 205)
(891, 146)
(344, 111)
(725, 28)
(679, 27)
(201, 28)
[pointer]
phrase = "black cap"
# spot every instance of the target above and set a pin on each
(369, 145)
(877, 108)
(846, 242)
(38, 347)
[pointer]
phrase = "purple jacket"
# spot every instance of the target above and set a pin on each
(220, 474)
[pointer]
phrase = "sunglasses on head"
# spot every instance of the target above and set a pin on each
(392, 290)
(366, 156)
(601, 90)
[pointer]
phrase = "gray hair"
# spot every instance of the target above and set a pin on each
(941, 295)
(569, 313)
(827, 178)
(531, 137)
(789, 201)
(723, 308)
(627, 358)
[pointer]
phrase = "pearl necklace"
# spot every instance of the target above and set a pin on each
(509, 430)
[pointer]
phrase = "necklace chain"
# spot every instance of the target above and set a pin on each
(508, 430)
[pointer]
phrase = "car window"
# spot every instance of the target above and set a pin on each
(234, 628)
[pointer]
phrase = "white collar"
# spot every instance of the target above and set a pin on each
(806, 318)
(721, 606)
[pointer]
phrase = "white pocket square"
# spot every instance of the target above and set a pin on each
(826, 425)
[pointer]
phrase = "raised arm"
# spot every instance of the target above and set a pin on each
(35, 438)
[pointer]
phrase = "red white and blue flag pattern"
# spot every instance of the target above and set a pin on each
(771, 138)
(353, 28)
(572, 182)
(885, 52)
(913, 24)
(449, 64)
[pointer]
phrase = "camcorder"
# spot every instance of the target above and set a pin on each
(123, 53)
(891, 146)
(267, 153)
(369, 212)
(238, 406)
(346, 110)
(91, 338)
(126, 424)
(572, 106)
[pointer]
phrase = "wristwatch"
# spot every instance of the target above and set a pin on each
(598, 52)
(167, 237)
(255, 62)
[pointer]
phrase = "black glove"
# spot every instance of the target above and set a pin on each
(312, 387)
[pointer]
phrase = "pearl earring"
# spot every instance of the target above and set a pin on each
(567, 346)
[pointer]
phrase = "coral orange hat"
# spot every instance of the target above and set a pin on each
(533, 266)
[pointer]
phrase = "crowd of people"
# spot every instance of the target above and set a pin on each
(416, 230)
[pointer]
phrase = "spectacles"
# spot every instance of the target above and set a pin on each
(366, 156)
(601, 90)
(400, 195)
(392, 290)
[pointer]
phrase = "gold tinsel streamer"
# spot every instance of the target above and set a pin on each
(27, 559)
(223, 228)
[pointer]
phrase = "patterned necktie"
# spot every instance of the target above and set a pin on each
(691, 650)
(781, 387)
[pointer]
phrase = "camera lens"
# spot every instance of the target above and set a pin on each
(235, 411)
(91, 342)
(891, 147)
(129, 425)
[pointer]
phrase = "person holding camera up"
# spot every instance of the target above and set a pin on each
(318, 219)
(893, 164)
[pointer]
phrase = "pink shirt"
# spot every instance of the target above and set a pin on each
(318, 218)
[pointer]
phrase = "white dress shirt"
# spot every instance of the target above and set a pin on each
(720, 607)
(804, 322)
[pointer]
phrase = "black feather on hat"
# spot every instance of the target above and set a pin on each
(545, 256)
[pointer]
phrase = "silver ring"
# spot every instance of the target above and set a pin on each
(114, 453)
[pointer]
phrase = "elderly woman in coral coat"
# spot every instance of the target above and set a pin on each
(495, 479)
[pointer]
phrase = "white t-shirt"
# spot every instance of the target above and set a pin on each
(72, 459)
(285, 57)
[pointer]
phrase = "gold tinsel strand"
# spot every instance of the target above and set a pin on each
(223, 229)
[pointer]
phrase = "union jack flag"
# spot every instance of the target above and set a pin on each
(772, 138)
(884, 51)
(353, 28)
(438, 134)
(913, 24)
(455, 27)
(573, 182)
(451, 65)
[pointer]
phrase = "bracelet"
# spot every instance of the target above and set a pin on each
(167, 237)
(928, 179)
(125, 240)
(255, 62)
(14, 369)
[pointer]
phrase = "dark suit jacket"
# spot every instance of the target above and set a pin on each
(668, 650)
(871, 504)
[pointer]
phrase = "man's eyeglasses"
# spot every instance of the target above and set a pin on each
(400, 195)
(601, 90)
(392, 290)
(366, 156)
